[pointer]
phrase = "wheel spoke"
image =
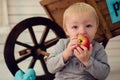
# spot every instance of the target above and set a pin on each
(23, 44)
(44, 66)
(51, 42)
(32, 63)
(33, 35)
(23, 58)
(44, 35)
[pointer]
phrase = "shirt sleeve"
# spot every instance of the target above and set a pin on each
(55, 61)
(98, 65)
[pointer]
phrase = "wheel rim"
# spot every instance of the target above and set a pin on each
(37, 50)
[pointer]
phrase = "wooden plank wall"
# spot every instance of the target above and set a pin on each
(19, 10)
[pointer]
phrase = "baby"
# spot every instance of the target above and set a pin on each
(72, 61)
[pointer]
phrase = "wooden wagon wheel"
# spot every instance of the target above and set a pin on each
(37, 51)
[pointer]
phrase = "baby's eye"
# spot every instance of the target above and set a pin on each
(75, 27)
(89, 25)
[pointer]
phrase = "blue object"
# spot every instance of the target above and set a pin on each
(28, 75)
(114, 10)
(19, 75)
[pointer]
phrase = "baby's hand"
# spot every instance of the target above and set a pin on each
(68, 52)
(83, 53)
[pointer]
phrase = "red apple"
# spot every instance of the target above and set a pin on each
(84, 41)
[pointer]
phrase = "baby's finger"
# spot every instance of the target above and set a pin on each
(73, 37)
(76, 53)
(79, 50)
(84, 48)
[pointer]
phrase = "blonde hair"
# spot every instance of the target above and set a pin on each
(79, 8)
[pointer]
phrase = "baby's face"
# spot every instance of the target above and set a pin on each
(81, 24)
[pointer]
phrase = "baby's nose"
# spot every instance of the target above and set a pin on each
(82, 31)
